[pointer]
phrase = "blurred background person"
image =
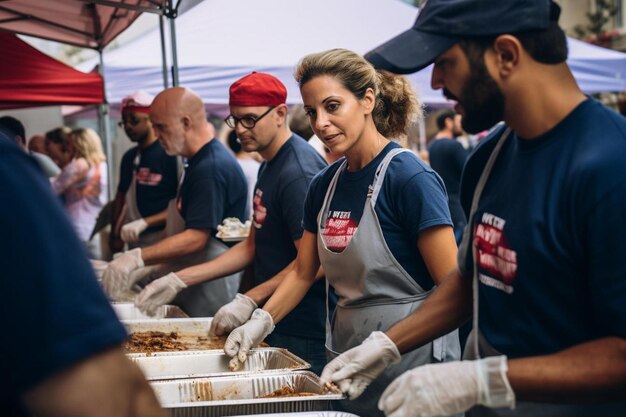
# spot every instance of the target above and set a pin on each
(16, 130)
(148, 180)
(82, 183)
(447, 157)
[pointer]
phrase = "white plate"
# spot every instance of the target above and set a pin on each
(231, 238)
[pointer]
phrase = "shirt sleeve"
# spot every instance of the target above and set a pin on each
(64, 316)
(293, 197)
(70, 175)
(204, 208)
(606, 245)
(423, 203)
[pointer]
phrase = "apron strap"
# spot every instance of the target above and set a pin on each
(465, 243)
(330, 191)
(379, 177)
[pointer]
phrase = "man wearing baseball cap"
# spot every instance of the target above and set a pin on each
(258, 114)
(148, 180)
(541, 267)
(212, 188)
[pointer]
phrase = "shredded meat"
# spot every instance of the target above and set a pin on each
(153, 341)
(286, 392)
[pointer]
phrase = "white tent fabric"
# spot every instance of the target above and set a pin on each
(219, 41)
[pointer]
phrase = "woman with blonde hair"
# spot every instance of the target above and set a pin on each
(377, 220)
(83, 180)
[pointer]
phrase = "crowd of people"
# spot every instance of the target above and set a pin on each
(362, 258)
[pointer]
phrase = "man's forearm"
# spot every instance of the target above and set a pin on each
(116, 387)
(233, 260)
(589, 372)
(173, 247)
(116, 212)
(447, 308)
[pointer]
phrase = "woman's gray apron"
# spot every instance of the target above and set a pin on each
(478, 347)
(132, 213)
(374, 293)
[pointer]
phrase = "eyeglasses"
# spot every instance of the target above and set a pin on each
(246, 121)
(133, 121)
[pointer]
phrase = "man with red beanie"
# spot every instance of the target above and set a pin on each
(148, 179)
(259, 117)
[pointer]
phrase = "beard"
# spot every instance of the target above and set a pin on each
(482, 101)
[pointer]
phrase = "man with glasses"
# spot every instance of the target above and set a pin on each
(212, 188)
(148, 179)
(259, 117)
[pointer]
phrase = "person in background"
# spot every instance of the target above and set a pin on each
(17, 131)
(62, 354)
(148, 180)
(37, 143)
(249, 165)
(259, 118)
(376, 220)
(82, 182)
(541, 266)
(213, 188)
(447, 157)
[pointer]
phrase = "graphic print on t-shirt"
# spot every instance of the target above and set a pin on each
(494, 257)
(338, 230)
(260, 211)
(145, 177)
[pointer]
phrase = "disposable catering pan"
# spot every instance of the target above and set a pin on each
(231, 396)
(197, 326)
(128, 311)
(187, 364)
(311, 414)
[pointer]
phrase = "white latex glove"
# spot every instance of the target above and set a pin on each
(159, 292)
(232, 315)
(116, 279)
(245, 337)
(356, 368)
(131, 231)
(448, 388)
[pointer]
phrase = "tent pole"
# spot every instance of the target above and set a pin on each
(163, 53)
(172, 18)
(103, 119)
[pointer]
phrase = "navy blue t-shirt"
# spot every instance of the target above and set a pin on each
(278, 206)
(412, 199)
(157, 177)
(53, 312)
(550, 233)
(214, 188)
(447, 157)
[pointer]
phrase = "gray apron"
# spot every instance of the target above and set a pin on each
(202, 300)
(374, 293)
(132, 213)
(478, 347)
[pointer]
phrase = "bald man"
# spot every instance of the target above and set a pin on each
(213, 188)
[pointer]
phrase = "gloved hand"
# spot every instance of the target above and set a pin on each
(356, 368)
(116, 279)
(245, 337)
(232, 315)
(131, 231)
(448, 388)
(158, 293)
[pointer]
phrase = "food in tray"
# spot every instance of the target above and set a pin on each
(151, 341)
(330, 388)
(287, 391)
(154, 341)
(232, 227)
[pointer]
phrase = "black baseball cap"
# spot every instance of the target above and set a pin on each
(442, 23)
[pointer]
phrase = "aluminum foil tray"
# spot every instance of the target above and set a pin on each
(128, 311)
(208, 363)
(231, 396)
(196, 327)
(311, 414)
